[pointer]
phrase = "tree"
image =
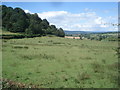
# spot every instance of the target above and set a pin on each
(35, 28)
(61, 32)
(6, 14)
(44, 24)
(16, 20)
(81, 36)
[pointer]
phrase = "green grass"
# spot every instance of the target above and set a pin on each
(54, 62)
(4, 32)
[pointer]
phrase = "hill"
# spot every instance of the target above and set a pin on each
(75, 32)
(87, 32)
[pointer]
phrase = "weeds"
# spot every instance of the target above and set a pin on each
(57, 43)
(82, 77)
(85, 58)
(45, 56)
(104, 61)
(26, 57)
(97, 67)
(20, 47)
(39, 41)
(113, 66)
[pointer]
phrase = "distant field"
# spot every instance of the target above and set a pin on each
(54, 62)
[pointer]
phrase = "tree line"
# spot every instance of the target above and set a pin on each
(16, 20)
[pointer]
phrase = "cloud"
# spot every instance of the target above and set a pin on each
(86, 21)
(51, 14)
(27, 11)
(99, 20)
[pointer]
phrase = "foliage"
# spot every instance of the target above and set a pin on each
(100, 37)
(16, 20)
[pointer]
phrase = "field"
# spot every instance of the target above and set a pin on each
(54, 62)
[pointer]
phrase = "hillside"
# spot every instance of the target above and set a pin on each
(17, 21)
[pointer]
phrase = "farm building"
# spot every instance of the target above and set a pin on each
(72, 37)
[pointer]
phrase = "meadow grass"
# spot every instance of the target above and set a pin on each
(4, 32)
(54, 62)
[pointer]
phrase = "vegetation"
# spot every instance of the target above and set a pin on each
(104, 36)
(108, 36)
(17, 21)
(54, 62)
(48, 61)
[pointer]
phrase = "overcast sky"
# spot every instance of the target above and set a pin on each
(74, 16)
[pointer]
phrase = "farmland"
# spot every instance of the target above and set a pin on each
(55, 62)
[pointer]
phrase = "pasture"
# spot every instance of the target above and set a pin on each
(54, 62)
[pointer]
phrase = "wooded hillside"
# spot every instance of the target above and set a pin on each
(16, 20)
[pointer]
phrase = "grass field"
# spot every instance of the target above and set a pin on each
(54, 62)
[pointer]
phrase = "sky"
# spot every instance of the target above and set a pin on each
(74, 16)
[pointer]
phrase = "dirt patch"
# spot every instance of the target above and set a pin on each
(6, 83)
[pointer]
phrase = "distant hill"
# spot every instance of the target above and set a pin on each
(85, 32)
(75, 32)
